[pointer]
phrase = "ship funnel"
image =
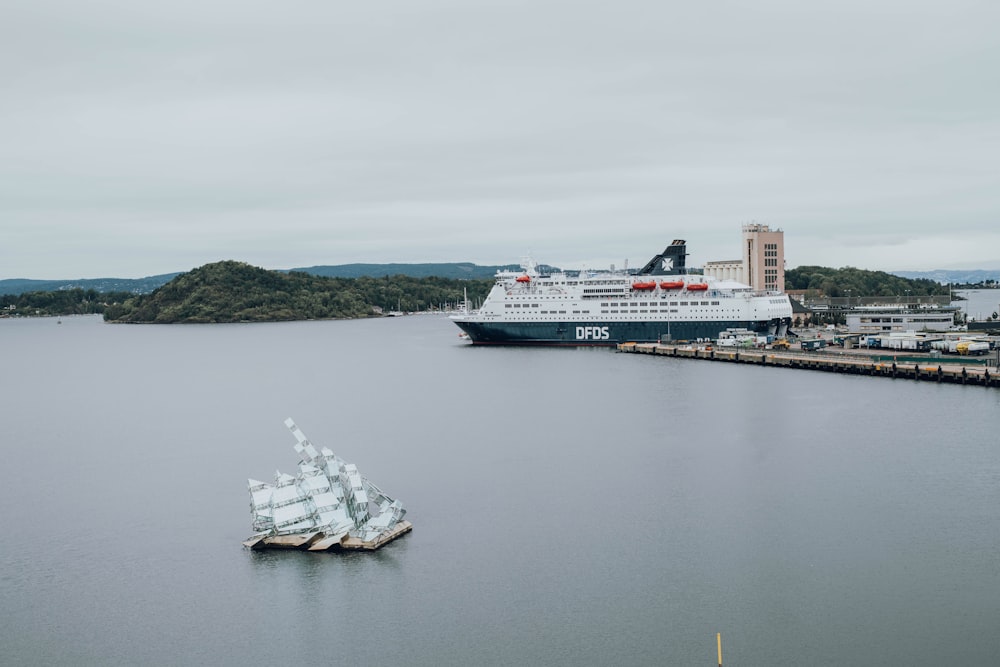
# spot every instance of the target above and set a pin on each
(673, 260)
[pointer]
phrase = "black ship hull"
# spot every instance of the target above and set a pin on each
(607, 333)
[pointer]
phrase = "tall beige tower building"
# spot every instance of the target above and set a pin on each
(764, 257)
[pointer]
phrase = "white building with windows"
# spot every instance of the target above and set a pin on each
(895, 318)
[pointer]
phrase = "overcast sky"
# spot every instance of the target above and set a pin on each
(139, 138)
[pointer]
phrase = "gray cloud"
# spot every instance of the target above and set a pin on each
(145, 139)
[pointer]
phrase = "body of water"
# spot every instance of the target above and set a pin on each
(570, 506)
(979, 304)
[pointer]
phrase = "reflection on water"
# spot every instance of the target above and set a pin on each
(312, 564)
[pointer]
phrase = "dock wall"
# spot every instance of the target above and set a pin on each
(928, 371)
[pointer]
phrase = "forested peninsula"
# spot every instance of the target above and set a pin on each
(232, 291)
(43, 303)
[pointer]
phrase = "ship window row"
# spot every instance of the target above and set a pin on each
(901, 319)
(665, 303)
(553, 312)
(619, 294)
(540, 296)
(532, 317)
(661, 310)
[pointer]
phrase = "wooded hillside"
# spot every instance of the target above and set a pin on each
(59, 302)
(858, 282)
(237, 292)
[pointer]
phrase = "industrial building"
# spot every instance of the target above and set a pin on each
(762, 265)
(888, 314)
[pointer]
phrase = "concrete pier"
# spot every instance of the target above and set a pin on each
(930, 370)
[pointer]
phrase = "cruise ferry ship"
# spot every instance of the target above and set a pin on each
(660, 303)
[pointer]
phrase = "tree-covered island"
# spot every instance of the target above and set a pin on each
(232, 291)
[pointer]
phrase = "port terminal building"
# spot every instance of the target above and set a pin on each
(892, 314)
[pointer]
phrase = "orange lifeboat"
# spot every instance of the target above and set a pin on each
(675, 284)
(524, 279)
(644, 286)
(697, 287)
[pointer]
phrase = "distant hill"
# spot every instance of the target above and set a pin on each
(953, 276)
(103, 285)
(455, 271)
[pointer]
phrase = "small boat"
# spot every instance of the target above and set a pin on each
(697, 287)
(644, 286)
(672, 284)
(524, 279)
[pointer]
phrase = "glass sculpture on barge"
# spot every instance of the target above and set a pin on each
(327, 505)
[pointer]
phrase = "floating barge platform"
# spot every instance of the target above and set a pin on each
(930, 370)
(318, 541)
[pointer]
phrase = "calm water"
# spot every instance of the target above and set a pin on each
(979, 303)
(570, 507)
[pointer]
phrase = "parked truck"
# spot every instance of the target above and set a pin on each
(972, 348)
(737, 338)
